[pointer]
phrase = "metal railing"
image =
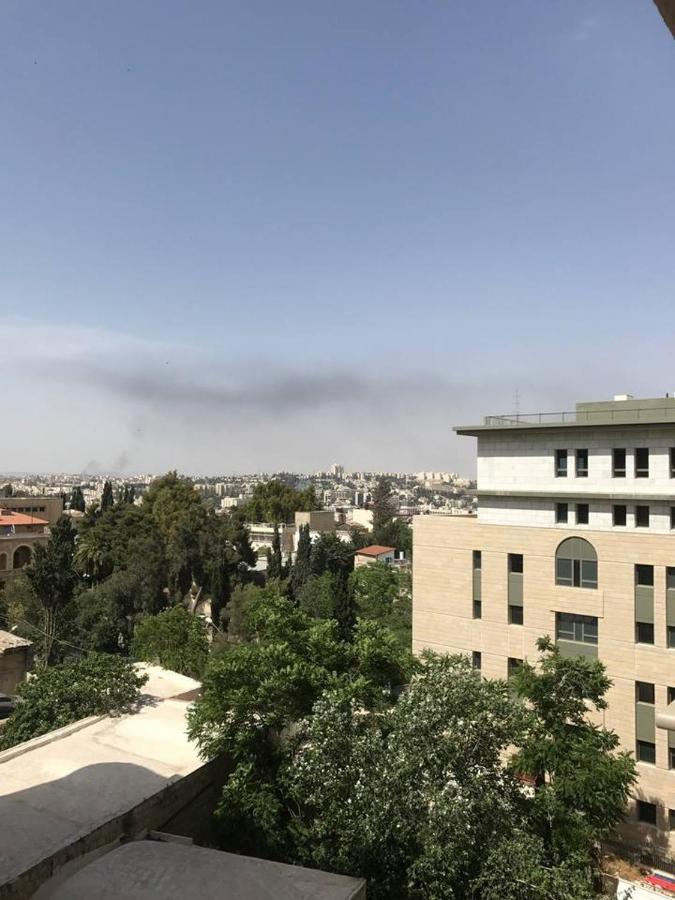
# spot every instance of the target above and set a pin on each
(620, 415)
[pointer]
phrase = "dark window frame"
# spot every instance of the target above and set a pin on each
(641, 462)
(515, 613)
(618, 469)
(562, 513)
(581, 463)
(646, 812)
(642, 516)
(623, 515)
(585, 507)
(560, 463)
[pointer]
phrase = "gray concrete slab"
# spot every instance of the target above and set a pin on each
(149, 870)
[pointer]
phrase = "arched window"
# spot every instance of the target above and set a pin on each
(22, 557)
(576, 564)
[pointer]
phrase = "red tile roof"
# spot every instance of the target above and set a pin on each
(375, 550)
(9, 517)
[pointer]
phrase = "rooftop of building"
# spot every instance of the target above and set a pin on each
(623, 410)
(156, 870)
(64, 785)
(10, 517)
(375, 550)
(9, 641)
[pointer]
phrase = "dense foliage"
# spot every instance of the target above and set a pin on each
(174, 639)
(277, 502)
(254, 693)
(424, 797)
(96, 685)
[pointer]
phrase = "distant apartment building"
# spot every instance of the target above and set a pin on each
(574, 537)
(262, 535)
(19, 535)
(16, 661)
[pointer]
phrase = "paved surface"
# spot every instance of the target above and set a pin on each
(149, 870)
(53, 794)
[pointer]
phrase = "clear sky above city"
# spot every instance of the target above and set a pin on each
(243, 236)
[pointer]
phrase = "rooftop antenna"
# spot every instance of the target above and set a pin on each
(517, 401)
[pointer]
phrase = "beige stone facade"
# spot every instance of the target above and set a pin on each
(461, 560)
(443, 617)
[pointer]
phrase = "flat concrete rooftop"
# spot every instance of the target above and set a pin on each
(60, 787)
(153, 870)
(590, 414)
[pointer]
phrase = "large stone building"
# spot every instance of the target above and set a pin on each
(574, 537)
(19, 534)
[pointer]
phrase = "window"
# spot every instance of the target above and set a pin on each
(581, 460)
(642, 462)
(515, 588)
(645, 725)
(644, 576)
(516, 563)
(576, 564)
(512, 666)
(644, 633)
(642, 517)
(476, 660)
(670, 607)
(671, 819)
(645, 751)
(582, 513)
(477, 610)
(561, 513)
(644, 692)
(646, 812)
(672, 517)
(561, 463)
(580, 629)
(619, 515)
(672, 462)
(618, 463)
(644, 604)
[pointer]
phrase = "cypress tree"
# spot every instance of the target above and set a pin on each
(77, 499)
(107, 499)
(275, 568)
(302, 568)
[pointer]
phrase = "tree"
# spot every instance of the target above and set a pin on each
(94, 686)
(129, 495)
(384, 593)
(302, 567)
(174, 639)
(77, 499)
(277, 502)
(581, 782)
(316, 596)
(107, 498)
(254, 693)
(330, 554)
(384, 506)
(450, 819)
(275, 566)
(53, 578)
(343, 606)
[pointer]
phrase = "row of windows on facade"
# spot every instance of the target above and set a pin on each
(619, 467)
(619, 515)
(576, 565)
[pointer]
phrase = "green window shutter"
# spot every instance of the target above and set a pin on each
(644, 603)
(477, 585)
(645, 729)
(515, 588)
(670, 606)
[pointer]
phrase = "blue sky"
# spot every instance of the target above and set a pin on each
(261, 235)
